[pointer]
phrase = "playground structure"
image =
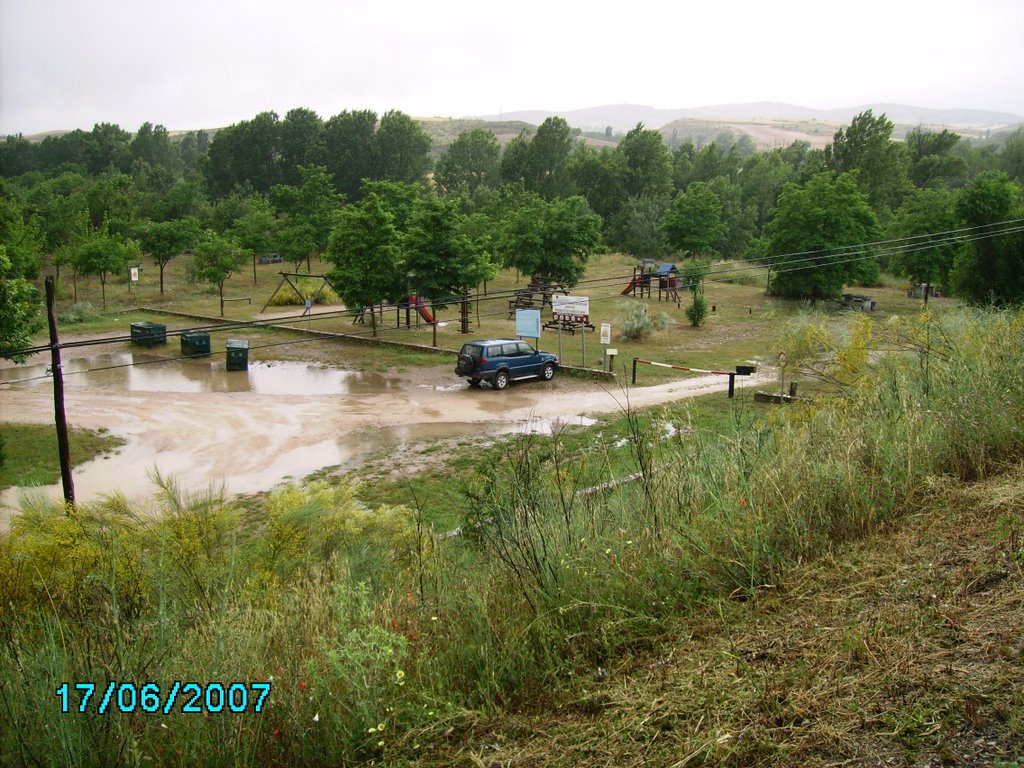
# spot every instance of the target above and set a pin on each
(642, 274)
(645, 274)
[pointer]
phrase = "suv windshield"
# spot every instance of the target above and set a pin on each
(472, 350)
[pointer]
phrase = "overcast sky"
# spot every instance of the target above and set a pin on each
(187, 64)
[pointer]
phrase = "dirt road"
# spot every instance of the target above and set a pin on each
(252, 429)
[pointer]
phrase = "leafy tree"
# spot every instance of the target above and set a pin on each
(598, 175)
(17, 156)
(113, 202)
(469, 162)
(515, 159)
(546, 167)
(215, 259)
(102, 254)
(1012, 156)
(636, 229)
(365, 249)
(811, 233)
(152, 145)
(438, 252)
(19, 310)
(308, 211)
(990, 269)
(931, 161)
(164, 240)
(693, 222)
(300, 142)
(761, 179)
(646, 163)
(551, 239)
(867, 146)
(20, 237)
(401, 149)
(925, 212)
(348, 139)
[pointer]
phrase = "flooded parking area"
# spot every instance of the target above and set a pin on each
(250, 430)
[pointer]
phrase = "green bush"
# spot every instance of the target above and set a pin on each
(639, 324)
(81, 312)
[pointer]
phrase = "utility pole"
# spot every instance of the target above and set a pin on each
(63, 447)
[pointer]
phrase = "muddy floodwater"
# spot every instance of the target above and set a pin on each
(250, 430)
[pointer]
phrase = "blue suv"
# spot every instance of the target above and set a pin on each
(502, 361)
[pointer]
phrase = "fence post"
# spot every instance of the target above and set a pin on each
(634, 370)
(732, 384)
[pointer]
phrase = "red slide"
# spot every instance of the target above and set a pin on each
(630, 287)
(417, 302)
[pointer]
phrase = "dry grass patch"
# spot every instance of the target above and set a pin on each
(904, 649)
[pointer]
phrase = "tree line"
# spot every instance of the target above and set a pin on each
(365, 192)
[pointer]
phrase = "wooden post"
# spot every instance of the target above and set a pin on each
(63, 447)
(732, 384)
(634, 370)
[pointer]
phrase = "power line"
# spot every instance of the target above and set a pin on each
(783, 263)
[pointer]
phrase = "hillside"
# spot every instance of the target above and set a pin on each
(902, 649)
(622, 117)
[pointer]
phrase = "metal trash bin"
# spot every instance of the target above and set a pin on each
(149, 334)
(238, 355)
(195, 344)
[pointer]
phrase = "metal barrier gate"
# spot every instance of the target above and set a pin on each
(741, 370)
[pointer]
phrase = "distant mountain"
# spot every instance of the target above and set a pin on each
(623, 117)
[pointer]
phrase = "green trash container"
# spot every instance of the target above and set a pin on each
(149, 334)
(238, 355)
(195, 344)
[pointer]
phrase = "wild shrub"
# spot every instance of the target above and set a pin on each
(639, 324)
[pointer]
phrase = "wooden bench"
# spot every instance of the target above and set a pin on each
(523, 299)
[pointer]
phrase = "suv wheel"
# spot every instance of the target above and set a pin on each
(548, 371)
(501, 380)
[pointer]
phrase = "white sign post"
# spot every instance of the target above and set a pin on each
(606, 339)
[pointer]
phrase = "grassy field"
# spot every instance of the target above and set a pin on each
(744, 325)
(30, 452)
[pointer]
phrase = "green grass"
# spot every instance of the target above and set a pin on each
(31, 456)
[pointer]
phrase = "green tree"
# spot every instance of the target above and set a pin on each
(867, 146)
(348, 139)
(812, 235)
(401, 149)
(598, 175)
(931, 160)
(1012, 157)
(215, 259)
(547, 164)
(164, 240)
(19, 310)
(693, 222)
(308, 211)
(551, 239)
(300, 142)
(469, 162)
(20, 236)
(102, 254)
(990, 269)
(440, 258)
(636, 229)
(925, 212)
(365, 249)
(152, 145)
(646, 164)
